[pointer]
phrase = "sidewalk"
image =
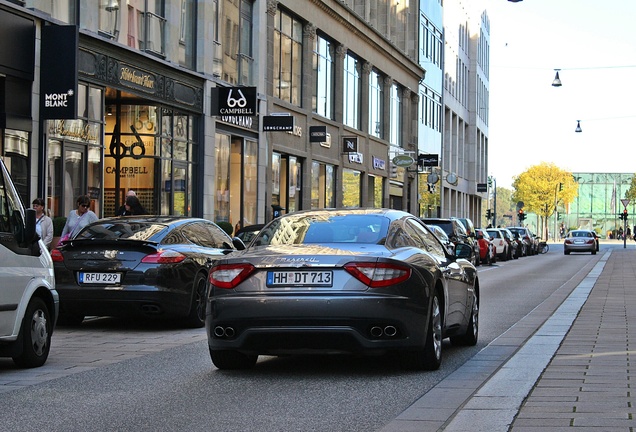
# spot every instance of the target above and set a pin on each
(590, 381)
(575, 371)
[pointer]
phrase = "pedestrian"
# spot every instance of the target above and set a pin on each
(43, 223)
(133, 206)
(122, 210)
(78, 218)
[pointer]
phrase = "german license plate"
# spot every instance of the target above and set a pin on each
(300, 278)
(99, 278)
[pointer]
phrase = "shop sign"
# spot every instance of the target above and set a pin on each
(234, 101)
(350, 144)
(428, 160)
(136, 78)
(76, 130)
(58, 72)
(278, 123)
(403, 161)
(242, 121)
(356, 158)
(379, 164)
(327, 143)
(317, 134)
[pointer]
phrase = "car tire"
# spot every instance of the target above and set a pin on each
(429, 357)
(594, 252)
(566, 252)
(196, 317)
(504, 256)
(35, 333)
(232, 360)
(472, 331)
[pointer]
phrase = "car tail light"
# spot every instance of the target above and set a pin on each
(164, 257)
(228, 276)
(57, 256)
(377, 275)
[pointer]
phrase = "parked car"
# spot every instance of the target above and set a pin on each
(28, 301)
(443, 237)
(531, 241)
(579, 241)
(502, 246)
(150, 266)
(470, 231)
(247, 233)
(486, 248)
(456, 233)
(307, 283)
(517, 246)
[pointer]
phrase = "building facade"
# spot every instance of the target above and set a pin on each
(466, 101)
(104, 96)
(597, 205)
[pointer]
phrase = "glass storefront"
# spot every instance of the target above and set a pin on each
(236, 164)
(351, 196)
(286, 182)
(146, 147)
(323, 183)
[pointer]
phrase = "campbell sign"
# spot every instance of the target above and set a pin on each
(234, 101)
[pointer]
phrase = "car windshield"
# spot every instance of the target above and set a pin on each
(447, 226)
(325, 227)
(122, 230)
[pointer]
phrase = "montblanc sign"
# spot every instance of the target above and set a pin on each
(58, 72)
(234, 101)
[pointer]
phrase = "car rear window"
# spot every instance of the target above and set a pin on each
(329, 229)
(122, 230)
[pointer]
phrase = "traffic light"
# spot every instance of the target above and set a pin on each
(394, 169)
(522, 216)
(488, 214)
(624, 215)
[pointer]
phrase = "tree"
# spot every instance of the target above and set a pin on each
(631, 192)
(541, 188)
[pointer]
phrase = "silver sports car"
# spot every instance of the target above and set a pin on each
(365, 281)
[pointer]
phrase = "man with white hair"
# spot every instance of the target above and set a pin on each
(122, 210)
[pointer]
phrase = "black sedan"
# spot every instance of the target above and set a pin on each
(365, 281)
(148, 266)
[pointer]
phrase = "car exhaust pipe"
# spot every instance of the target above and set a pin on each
(151, 309)
(376, 331)
(219, 331)
(390, 331)
(229, 332)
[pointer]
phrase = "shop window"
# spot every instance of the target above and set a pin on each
(351, 187)
(322, 185)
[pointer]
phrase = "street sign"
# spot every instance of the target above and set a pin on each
(625, 202)
(482, 187)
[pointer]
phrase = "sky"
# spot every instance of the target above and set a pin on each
(530, 121)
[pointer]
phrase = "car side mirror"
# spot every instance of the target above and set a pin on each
(463, 250)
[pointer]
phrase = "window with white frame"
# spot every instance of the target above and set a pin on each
(323, 68)
(376, 104)
(288, 46)
(351, 99)
(395, 116)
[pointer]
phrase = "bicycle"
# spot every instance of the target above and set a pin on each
(544, 247)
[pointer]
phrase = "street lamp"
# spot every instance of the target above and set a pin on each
(557, 80)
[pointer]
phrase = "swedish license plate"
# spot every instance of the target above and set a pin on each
(300, 278)
(99, 278)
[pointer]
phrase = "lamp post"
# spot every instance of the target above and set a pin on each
(493, 180)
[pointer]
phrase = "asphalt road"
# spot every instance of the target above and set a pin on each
(172, 385)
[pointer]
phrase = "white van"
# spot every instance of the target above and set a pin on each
(29, 304)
